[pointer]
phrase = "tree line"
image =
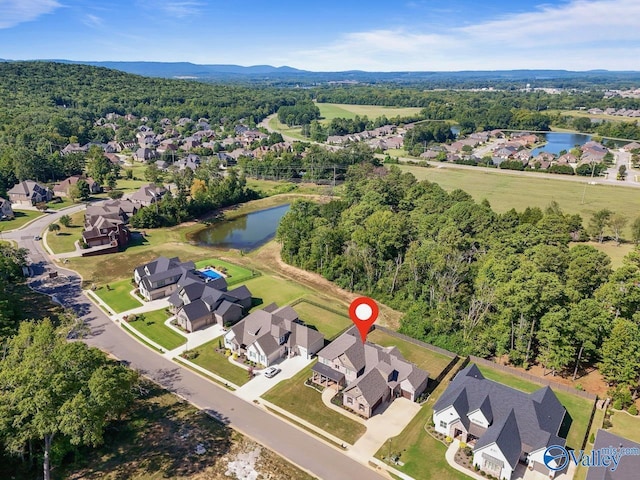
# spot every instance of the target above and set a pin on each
(472, 280)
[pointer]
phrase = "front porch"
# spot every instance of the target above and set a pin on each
(326, 376)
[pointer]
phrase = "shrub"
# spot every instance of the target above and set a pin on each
(633, 410)
(607, 423)
(448, 439)
(462, 445)
(592, 438)
(617, 404)
(579, 387)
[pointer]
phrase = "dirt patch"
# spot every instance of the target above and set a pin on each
(589, 380)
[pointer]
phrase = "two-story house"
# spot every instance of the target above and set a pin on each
(272, 333)
(29, 192)
(372, 375)
(159, 278)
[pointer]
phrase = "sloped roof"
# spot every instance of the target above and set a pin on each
(628, 467)
(506, 436)
(195, 310)
(538, 415)
(372, 386)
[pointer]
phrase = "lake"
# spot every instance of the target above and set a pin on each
(244, 233)
(557, 141)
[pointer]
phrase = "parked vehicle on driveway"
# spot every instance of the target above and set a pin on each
(271, 372)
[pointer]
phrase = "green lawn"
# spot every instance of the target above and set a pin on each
(151, 325)
(218, 363)
(506, 191)
(64, 241)
(432, 362)
(329, 323)
(118, 298)
(306, 403)
(66, 202)
(329, 111)
(423, 456)
(271, 288)
(626, 426)
(235, 273)
(21, 217)
(578, 408)
(295, 132)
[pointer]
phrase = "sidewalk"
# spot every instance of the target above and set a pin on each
(450, 456)
(194, 339)
(206, 372)
(328, 394)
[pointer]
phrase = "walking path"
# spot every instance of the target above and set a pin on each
(451, 460)
(328, 394)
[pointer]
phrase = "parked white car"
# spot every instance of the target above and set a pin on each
(271, 372)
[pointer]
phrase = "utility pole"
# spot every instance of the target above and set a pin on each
(593, 169)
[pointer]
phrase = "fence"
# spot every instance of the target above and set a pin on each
(532, 378)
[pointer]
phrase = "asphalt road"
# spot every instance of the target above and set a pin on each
(295, 445)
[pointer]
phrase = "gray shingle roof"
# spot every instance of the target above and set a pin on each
(372, 386)
(628, 467)
(506, 436)
(538, 415)
(195, 310)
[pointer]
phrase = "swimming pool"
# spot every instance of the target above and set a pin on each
(211, 274)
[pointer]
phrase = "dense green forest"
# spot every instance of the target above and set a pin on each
(472, 280)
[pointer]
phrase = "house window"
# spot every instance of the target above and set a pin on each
(350, 400)
(443, 424)
(361, 407)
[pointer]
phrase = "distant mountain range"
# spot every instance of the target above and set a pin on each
(289, 75)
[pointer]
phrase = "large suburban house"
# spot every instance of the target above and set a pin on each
(148, 194)
(6, 212)
(272, 333)
(62, 189)
(504, 426)
(372, 375)
(29, 192)
(628, 467)
(106, 224)
(201, 301)
(159, 278)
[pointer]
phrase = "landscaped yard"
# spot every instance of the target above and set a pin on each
(65, 240)
(235, 274)
(505, 191)
(66, 202)
(21, 217)
(151, 325)
(432, 362)
(327, 322)
(306, 403)
(578, 408)
(625, 425)
(215, 362)
(423, 456)
(117, 296)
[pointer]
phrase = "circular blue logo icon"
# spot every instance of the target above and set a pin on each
(556, 457)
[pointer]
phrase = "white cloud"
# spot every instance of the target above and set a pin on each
(181, 8)
(576, 35)
(14, 12)
(92, 20)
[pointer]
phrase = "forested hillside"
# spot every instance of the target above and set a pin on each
(472, 280)
(46, 106)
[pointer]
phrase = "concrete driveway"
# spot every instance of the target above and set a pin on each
(260, 384)
(383, 426)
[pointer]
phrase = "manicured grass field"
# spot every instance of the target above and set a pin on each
(432, 362)
(306, 403)
(65, 240)
(151, 325)
(60, 205)
(329, 323)
(578, 408)
(235, 274)
(509, 191)
(329, 111)
(270, 288)
(118, 298)
(295, 132)
(21, 217)
(626, 426)
(218, 363)
(423, 456)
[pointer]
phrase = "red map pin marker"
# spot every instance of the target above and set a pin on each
(364, 313)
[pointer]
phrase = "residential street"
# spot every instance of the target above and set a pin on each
(295, 445)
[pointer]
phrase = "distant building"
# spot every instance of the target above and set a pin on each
(29, 192)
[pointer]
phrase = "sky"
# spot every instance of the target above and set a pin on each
(330, 35)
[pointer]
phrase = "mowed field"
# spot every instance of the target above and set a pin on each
(329, 111)
(509, 191)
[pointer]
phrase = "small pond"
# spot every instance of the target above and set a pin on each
(244, 233)
(558, 141)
